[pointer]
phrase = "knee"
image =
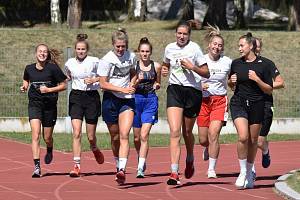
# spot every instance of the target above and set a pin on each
(243, 139)
(76, 135)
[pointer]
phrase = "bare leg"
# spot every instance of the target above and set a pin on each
(35, 125)
(77, 125)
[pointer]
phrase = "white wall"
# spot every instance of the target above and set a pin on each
(63, 125)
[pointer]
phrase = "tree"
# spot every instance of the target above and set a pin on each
(55, 12)
(137, 10)
(294, 16)
(216, 14)
(74, 13)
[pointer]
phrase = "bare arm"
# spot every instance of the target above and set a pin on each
(105, 85)
(262, 85)
(278, 82)
(202, 70)
(158, 69)
(25, 85)
(60, 87)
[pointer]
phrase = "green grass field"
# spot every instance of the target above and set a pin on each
(294, 181)
(18, 50)
(63, 142)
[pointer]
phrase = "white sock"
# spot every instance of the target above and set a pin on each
(141, 163)
(174, 168)
(212, 163)
(243, 166)
(117, 162)
(77, 161)
(122, 163)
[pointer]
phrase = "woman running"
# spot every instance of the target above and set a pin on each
(117, 79)
(146, 102)
(84, 100)
(214, 113)
(250, 76)
(44, 80)
(185, 61)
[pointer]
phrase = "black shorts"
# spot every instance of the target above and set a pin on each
(44, 110)
(251, 110)
(85, 104)
(188, 98)
(267, 122)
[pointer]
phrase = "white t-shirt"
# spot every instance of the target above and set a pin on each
(117, 69)
(219, 71)
(78, 71)
(179, 75)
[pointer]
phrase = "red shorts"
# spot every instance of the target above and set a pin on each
(213, 108)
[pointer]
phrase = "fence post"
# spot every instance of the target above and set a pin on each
(68, 124)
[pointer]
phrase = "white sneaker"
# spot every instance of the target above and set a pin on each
(205, 154)
(240, 181)
(211, 174)
(249, 182)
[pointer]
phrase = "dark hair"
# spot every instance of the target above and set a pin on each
(250, 40)
(145, 40)
(120, 34)
(53, 54)
(82, 37)
(184, 24)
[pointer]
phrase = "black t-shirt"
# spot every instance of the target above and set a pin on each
(274, 72)
(49, 76)
(245, 87)
(145, 86)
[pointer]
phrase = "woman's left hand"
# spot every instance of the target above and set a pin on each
(252, 76)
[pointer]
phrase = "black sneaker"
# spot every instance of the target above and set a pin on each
(266, 160)
(48, 158)
(37, 172)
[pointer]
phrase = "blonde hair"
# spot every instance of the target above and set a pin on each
(120, 34)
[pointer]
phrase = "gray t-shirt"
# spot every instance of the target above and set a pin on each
(117, 69)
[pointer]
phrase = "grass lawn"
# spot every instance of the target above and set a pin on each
(63, 142)
(294, 181)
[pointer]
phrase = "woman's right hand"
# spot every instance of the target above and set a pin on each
(164, 71)
(233, 78)
(128, 90)
(23, 88)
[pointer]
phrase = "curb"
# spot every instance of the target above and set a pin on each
(284, 190)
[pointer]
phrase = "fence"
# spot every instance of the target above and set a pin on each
(14, 104)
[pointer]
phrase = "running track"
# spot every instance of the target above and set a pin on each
(97, 181)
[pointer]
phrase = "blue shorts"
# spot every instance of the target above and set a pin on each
(146, 109)
(112, 106)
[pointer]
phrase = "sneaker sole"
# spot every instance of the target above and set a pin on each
(140, 176)
(173, 182)
(36, 176)
(74, 175)
(120, 179)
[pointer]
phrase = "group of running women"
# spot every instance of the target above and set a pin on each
(197, 90)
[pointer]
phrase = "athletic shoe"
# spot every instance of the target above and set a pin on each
(266, 160)
(120, 177)
(140, 173)
(36, 172)
(99, 156)
(253, 175)
(211, 173)
(48, 157)
(240, 181)
(205, 154)
(189, 169)
(75, 172)
(173, 179)
(249, 182)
